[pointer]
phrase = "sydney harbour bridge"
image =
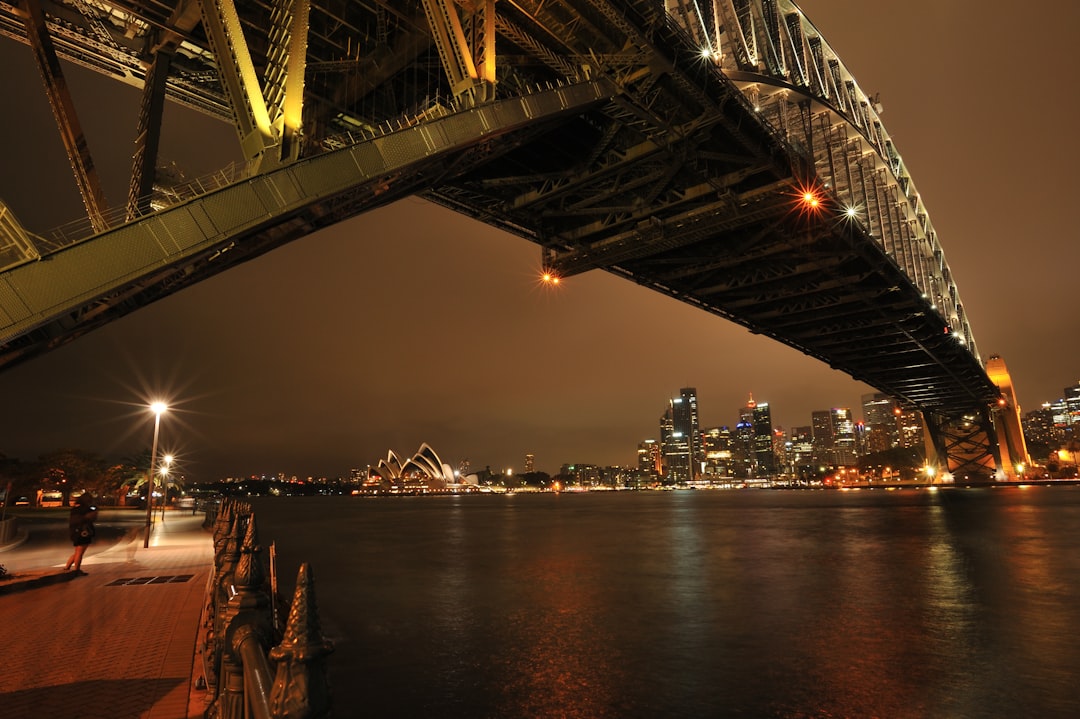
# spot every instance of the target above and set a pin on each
(717, 151)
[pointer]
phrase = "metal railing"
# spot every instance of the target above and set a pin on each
(253, 667)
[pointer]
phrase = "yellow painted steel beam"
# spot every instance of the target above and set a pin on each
(450, 41)
(293, 105)
(242, 85)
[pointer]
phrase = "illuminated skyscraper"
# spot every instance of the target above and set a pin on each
(909, 424)
(649, 458)
(764, 456)
(800, 452)
(716, 444)
(681, 437)
(834, 437)
(879, 422)
(822, 437)
(529, 463)
(843, 436)
(1072, 407)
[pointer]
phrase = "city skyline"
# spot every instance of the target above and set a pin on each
(413, 324)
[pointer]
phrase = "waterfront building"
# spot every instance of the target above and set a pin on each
(587, 476)
(743, 441)
(909, 425)
(1041, 434)
(530, 461)
(779, 448)
(680, 438)
(880, 431)
(764, 456)
(834, 438)
(423, 471)
(799, 459)
(822, 437)
(843, 437)
(1072, 406)
(650, 459)
(716, 444)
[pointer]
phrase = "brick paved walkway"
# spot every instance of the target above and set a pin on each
(115, 643)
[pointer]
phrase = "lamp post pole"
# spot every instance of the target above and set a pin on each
(157, 408)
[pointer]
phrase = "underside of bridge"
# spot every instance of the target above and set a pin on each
(751, 187)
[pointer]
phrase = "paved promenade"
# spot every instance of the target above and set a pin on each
(116, 642)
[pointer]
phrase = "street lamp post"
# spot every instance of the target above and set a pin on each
(157, 408)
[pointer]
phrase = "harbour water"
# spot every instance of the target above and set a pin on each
(960, 603)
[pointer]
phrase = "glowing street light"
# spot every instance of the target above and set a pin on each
(158, 408)
(166, 462)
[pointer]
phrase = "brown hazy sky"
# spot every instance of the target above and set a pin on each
(412, 324)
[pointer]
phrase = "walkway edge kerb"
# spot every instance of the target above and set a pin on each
(21, 582)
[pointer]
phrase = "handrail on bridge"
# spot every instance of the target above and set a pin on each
(240, 625)
(75, 231)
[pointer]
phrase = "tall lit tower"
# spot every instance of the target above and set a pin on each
(822, 437)
(530, 462)
(880, 421)
(1014, 454)
(680, 436)
(843, 436)
(686, 421)
(764, 456)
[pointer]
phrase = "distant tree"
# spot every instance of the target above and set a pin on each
(905, 460)
(535, 479)
(71, 469)
(119, 478)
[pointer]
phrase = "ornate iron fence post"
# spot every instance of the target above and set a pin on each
(301, 689)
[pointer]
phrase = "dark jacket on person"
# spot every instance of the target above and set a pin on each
(81, 520)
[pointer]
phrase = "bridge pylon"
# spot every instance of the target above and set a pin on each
(984, 443)
(963, 446)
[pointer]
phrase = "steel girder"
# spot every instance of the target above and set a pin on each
(685, 180)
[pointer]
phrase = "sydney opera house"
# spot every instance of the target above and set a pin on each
(422, 472)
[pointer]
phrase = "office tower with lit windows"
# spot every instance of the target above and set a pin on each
(686, 421)
(909, 426)
(833, 437)
(1041, 434)
(716, 444)
(1072, 408)
(880, 432)
(764, 455)
(679, 439)
(843, 436)
(800, 452)
(649, 458)
(530, 463)
(742, 447)
(822, 437)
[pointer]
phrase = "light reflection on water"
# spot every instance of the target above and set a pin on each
(961, 603)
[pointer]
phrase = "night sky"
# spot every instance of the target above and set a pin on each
(413, 324)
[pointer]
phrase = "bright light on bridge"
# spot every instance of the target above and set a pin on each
(809, 198)
(549, 278)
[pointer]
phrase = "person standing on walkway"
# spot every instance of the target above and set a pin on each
(81, 527)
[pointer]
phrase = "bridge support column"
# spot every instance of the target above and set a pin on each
(964, 445)
(63, 108)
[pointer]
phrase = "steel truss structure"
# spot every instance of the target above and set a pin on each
(717, 152)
